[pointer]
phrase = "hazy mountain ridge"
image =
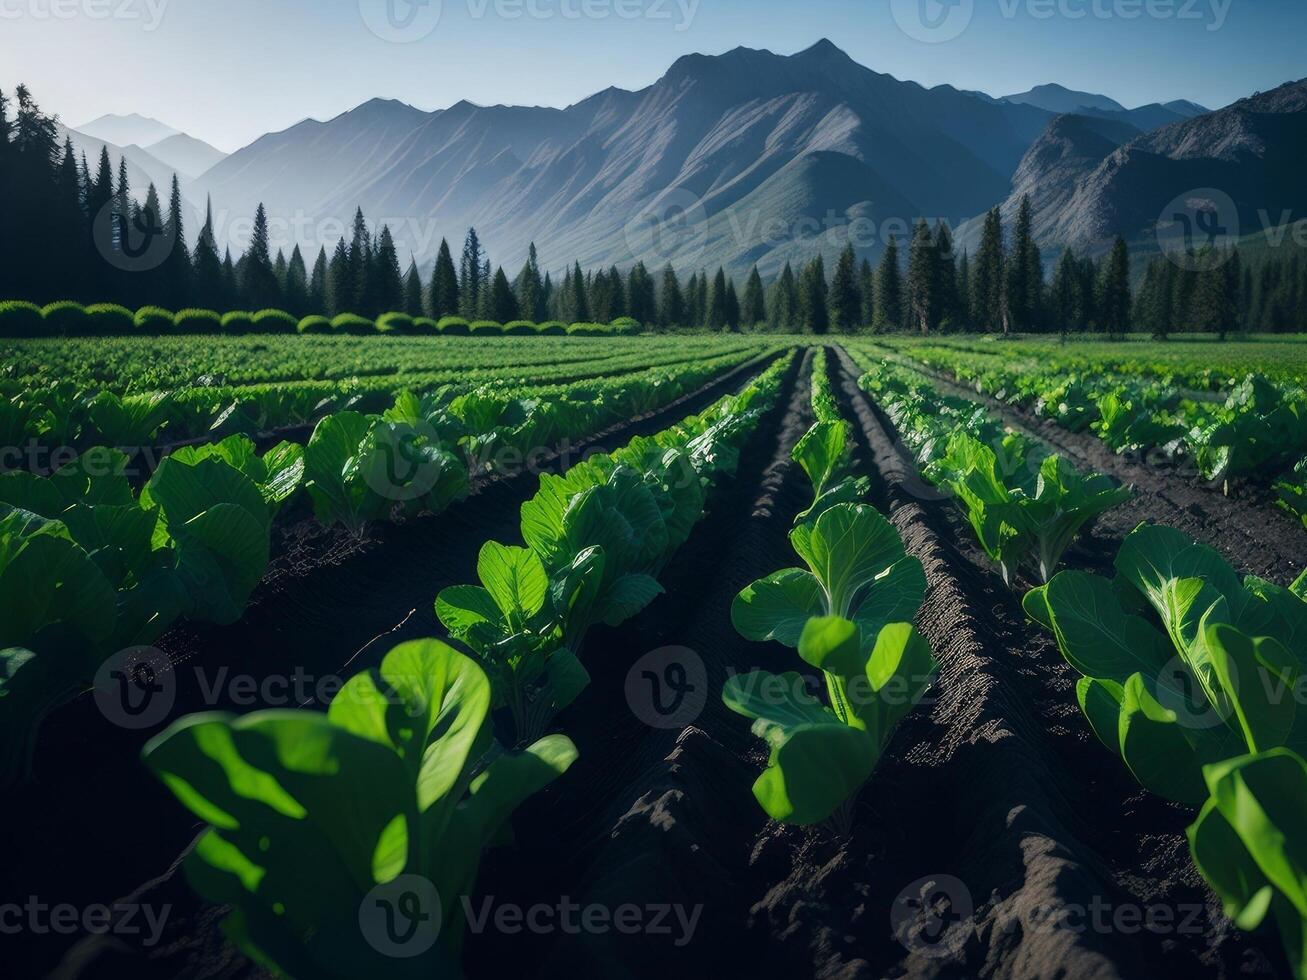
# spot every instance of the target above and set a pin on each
(1250, 151)
(726, 130)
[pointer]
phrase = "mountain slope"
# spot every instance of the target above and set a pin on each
(127, 130)
(185, 154)
(722, 133)
(1251, 152)
(1059, 99)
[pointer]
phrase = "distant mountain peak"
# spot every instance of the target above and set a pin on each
(132, 129)
(1058, 98)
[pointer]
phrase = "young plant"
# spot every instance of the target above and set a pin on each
(1215, 681)
(857, 570)
(1250, 844)
(822, 756)
(313, 815)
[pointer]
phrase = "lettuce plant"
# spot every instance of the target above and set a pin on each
(310, 812)
(1250, 844)
(1208, 677)
(857, 569)
(821, 756)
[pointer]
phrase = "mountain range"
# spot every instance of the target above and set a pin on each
(757, 158)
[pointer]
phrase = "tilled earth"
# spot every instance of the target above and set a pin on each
(996, 839)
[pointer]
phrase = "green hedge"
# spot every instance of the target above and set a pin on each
(65, 319)
(155, 320)
(238, 321)
(314, 324)
(399, 324)
(348, 323)
(274, 321)
(197, 321)
(108, 319)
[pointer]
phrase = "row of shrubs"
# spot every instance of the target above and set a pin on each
(67, 319)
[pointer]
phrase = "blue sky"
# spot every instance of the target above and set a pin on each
(228, 70)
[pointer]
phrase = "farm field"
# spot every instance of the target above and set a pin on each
(841, 656)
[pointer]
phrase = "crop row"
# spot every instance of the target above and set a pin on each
(401, 785)
(1259, 430)
(88, 566)
(63, 416)
(1025, 504)
(1191, 676)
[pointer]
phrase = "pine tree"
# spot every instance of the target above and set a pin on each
(784, 306)
(576, 301)
(845, 303)
(641, 303)
(316, 303)
(1114, 306)
(443, 297)
(295, 296)
(530, 288)
(753, 311)
(949, 314)
(340, 284)
(1025, 277)
(503, 302)
(671, 304)
(413, 301)
(717, 301)
(471, 277)
(387, 285)
(923, 280)
(258, 280)
(209, 291)
(1063, 294)
(867, 293)
(988, 289)
(813, 298)
(889, 290)
(177, 269)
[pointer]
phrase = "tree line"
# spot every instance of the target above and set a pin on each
(112, 248)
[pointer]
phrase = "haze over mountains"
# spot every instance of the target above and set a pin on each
(764, 158)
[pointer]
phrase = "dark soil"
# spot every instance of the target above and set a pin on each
(1246, 527)
(94, 823)
(996, 838)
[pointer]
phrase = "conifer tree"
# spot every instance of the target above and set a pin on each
(671, 304)
(443, 297)
(753, 309)
(845, 303)
(889, 290)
